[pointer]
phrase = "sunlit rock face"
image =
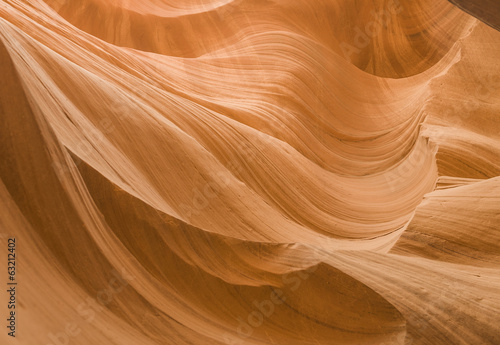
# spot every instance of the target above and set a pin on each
(251, 171)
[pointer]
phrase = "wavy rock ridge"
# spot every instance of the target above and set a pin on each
(251, 172)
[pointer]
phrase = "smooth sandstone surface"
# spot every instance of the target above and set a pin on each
(251, 171)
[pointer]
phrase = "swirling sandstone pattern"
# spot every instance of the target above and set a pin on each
(251, 171)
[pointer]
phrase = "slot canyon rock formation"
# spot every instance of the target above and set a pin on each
(250, 172)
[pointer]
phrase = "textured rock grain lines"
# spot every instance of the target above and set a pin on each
(312, 172)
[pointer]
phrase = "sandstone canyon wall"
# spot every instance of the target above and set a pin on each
(250, 171)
